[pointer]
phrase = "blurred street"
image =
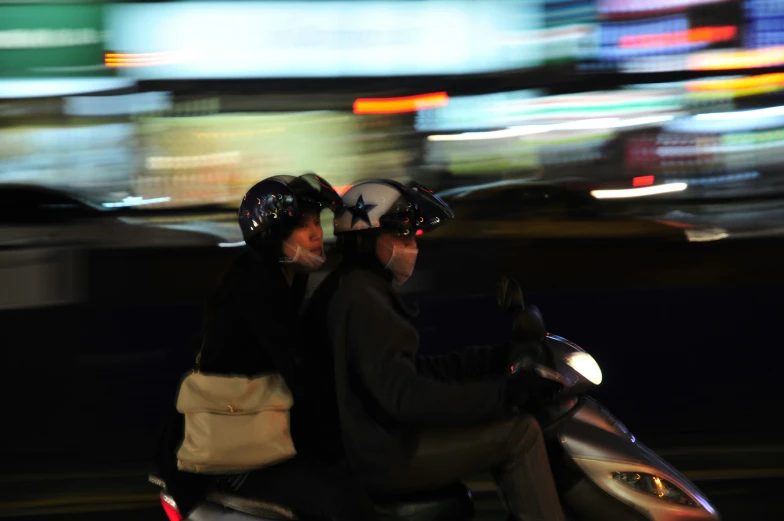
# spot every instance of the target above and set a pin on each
(737, 500)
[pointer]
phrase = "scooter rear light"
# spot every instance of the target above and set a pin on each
(170, 507)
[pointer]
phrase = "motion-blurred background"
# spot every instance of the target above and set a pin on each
(621, 158)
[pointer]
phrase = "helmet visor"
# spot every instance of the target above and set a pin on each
(430, 209)
(313, 190)
(418, 210)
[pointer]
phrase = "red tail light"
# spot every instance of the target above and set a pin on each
(643, 180)
(170, 507)
(400, 105)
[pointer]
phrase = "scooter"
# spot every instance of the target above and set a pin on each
(602, 472)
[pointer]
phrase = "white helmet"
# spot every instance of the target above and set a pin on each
(388, 205)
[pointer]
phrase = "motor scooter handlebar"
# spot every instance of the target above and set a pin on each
(527, 363)
(550, 374)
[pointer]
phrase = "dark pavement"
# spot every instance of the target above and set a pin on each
(736, 500)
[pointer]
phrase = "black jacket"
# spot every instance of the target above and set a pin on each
(385, 389)
(252, 327)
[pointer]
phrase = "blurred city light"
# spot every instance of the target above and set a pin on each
(739, 86)
(631, 7)
(728, 60)
(150, 59)
(402, 104)
(136, 201)
(639, 192)
(643, 180)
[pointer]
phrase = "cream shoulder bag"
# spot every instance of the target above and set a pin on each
(233, 423)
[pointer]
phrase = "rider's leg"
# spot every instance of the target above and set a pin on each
(513, 449)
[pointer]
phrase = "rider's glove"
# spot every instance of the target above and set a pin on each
(526, 389)
(517, 351)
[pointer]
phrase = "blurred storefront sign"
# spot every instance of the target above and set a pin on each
(214, 159)
(15, 88)
(476, 112)
(54, 50)
(104, 106)
(93, 159)
(45, 41)
(684, 35)
(532, 107)
(322, 39)
(122, 105)
(522, 131)
(119, 148)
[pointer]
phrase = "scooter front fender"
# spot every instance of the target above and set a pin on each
(602, 448)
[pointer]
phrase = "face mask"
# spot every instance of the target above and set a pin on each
(402, 262)
(304, 258)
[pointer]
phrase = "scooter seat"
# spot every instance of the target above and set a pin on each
(452, 503)
(254, 507)
(449, 504)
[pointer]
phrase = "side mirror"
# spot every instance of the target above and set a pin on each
(529, 325)
(509, 294)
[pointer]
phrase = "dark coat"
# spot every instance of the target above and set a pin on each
(252, 327)
(385, 389)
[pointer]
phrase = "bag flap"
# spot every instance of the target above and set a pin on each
(233, 394)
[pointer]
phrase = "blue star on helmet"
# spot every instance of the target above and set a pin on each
(359, 212)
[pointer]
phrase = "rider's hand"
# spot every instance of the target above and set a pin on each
(517, 351)
(528, 389)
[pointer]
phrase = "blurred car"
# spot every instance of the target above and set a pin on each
(35, 216)
(523, 209)
(45, 235)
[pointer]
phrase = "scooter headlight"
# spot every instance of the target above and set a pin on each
(584, 364)
(655, 486)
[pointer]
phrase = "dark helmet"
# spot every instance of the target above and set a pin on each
(274, 206)
(380, 204)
